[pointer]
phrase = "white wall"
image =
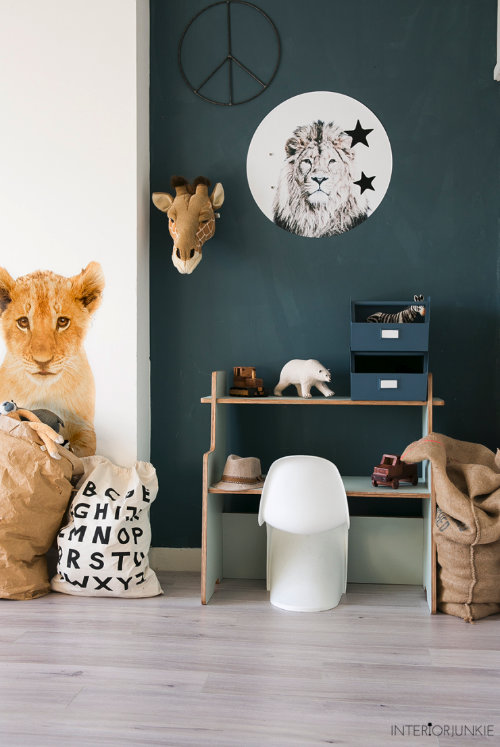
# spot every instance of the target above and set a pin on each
(74, 181)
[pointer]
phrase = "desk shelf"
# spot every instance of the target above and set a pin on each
(436, 402)
(355, 486)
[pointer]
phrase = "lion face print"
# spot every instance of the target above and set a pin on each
(320, 165)
(316, 194)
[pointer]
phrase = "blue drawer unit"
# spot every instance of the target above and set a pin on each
(388, 337)
(389, 376)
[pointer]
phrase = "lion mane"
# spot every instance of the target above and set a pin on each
(44, 318)
(316, 196)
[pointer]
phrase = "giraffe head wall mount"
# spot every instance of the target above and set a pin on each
(191, 218)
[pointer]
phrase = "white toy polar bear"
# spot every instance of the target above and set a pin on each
(304, 375)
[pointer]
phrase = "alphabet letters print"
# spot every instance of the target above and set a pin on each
(103, 550)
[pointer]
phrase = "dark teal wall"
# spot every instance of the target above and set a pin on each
(262, 296)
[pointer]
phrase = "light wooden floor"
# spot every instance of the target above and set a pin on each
(167, 671)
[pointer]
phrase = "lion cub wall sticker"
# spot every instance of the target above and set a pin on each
(44, 319)
(319, 164)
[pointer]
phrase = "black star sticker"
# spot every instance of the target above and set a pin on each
(358, 135)
(365, 182)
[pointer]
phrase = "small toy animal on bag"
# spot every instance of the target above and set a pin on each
(410, 314)
(47, 434)
(304, 374)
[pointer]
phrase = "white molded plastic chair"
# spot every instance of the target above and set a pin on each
(304, 505)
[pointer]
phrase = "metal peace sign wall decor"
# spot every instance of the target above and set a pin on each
(218, 25)
(319, 164)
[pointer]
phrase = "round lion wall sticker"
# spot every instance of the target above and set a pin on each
(319, 164)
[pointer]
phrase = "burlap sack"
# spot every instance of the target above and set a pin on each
(466, 480)
(34, 493)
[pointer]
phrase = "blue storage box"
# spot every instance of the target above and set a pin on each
(390, 337)
(389, 376)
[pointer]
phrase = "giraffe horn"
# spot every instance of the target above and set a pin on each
(180, 184)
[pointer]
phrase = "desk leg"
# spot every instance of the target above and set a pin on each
(429, 513)
(213, 465)
(212, 550)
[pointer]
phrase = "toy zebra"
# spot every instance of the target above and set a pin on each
(410, 314)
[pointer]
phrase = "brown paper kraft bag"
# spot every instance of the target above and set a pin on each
(466, 479)
(34, 492)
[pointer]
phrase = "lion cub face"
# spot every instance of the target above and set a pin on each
(45, 317)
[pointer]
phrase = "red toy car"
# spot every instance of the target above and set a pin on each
(392, 471)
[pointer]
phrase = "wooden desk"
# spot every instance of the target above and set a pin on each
(215, 458)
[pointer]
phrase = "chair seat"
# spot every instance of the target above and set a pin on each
(303, 494)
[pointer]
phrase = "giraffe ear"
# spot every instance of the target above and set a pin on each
(217, 196)
(162, 200)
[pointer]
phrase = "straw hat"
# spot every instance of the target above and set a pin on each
(241, 473)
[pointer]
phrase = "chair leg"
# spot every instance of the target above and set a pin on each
(307, 571)
(346, 556)
(269, 530)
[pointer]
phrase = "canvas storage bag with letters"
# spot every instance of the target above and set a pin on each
(103, 549)
(35, 490)
(466, 478)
